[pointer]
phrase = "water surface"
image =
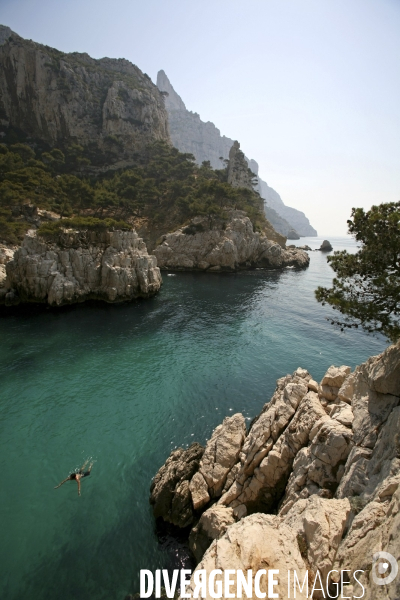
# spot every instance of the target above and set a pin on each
(126, 384)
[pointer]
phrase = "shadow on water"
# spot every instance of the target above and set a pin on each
(49, 329)
(127, 383)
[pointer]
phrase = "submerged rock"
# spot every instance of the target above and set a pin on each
(113, 266)
(225, 246)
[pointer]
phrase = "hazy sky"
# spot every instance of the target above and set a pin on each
(310, 88)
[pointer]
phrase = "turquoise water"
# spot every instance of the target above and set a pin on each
(124, 385)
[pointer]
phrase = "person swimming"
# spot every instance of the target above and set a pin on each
(78, 476)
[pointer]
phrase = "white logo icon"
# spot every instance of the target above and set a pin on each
(383, 567)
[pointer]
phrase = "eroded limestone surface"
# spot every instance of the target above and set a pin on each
(316, 482)
(226, 246)
(113, 266)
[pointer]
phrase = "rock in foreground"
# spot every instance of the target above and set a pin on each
(322, 463)
(112, 266)
(225, 246)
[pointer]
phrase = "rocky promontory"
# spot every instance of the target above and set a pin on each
(79, 265)
(312, 486)
(225, 245)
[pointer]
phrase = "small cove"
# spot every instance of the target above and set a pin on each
(126, 384)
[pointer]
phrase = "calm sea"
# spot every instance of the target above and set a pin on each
(125, 385)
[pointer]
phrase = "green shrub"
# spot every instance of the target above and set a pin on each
(50, 230)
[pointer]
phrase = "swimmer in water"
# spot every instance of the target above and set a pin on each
(78, 476)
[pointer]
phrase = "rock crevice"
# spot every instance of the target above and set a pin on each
(112, 266)
(225, 245)
(317, 475)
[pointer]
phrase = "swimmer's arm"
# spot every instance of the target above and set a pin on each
(60, 484)
(79, 486)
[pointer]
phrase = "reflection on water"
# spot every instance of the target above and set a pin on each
(126, 384)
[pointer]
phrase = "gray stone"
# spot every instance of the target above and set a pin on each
(113, 266)
(212, 525)
(106, 103)
(326, 246)
(178, 468)
(225, 245)
(222, 452)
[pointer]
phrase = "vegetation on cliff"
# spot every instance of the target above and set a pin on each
(165, 188)
(366, 289)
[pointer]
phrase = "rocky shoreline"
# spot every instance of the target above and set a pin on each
(226, 245)
(313, 485)
(112, 266)
(115, 266)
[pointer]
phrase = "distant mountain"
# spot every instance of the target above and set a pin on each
(296, 218)
(204, 140)
(189, 133)
(107, 106)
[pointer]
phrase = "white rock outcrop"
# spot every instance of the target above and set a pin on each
(113, 266)
(222, 452)
(256, 542)
(6, 254)
(224, 246)
(325, 460)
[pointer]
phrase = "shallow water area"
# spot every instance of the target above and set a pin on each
(125, 384)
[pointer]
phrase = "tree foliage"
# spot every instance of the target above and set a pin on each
(366, 289)
(164, 186)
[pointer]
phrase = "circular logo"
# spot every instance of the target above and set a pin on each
(383, 562)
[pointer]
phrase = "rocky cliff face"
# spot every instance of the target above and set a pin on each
(239, 173)
(113, 266)
(320, 469)
(6, 254)
(108, 106)
(190, 134)
(225, 246)
(297, 219)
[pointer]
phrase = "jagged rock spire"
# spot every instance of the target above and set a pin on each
(173, 101)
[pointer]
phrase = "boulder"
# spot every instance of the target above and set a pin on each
(375, 528)
(320, 523)
(212, 525)
(317, 466)
(256, 542)
(335, 376)
(222, 452)
(167, 494)
(199, 490)
(264, 488)
(325, 246)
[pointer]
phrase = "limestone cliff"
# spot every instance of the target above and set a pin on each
(296, 218)
(226, 245)
(320, 469)
(113, 266)
(108, 105)
(239, 173)
(190, 134)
